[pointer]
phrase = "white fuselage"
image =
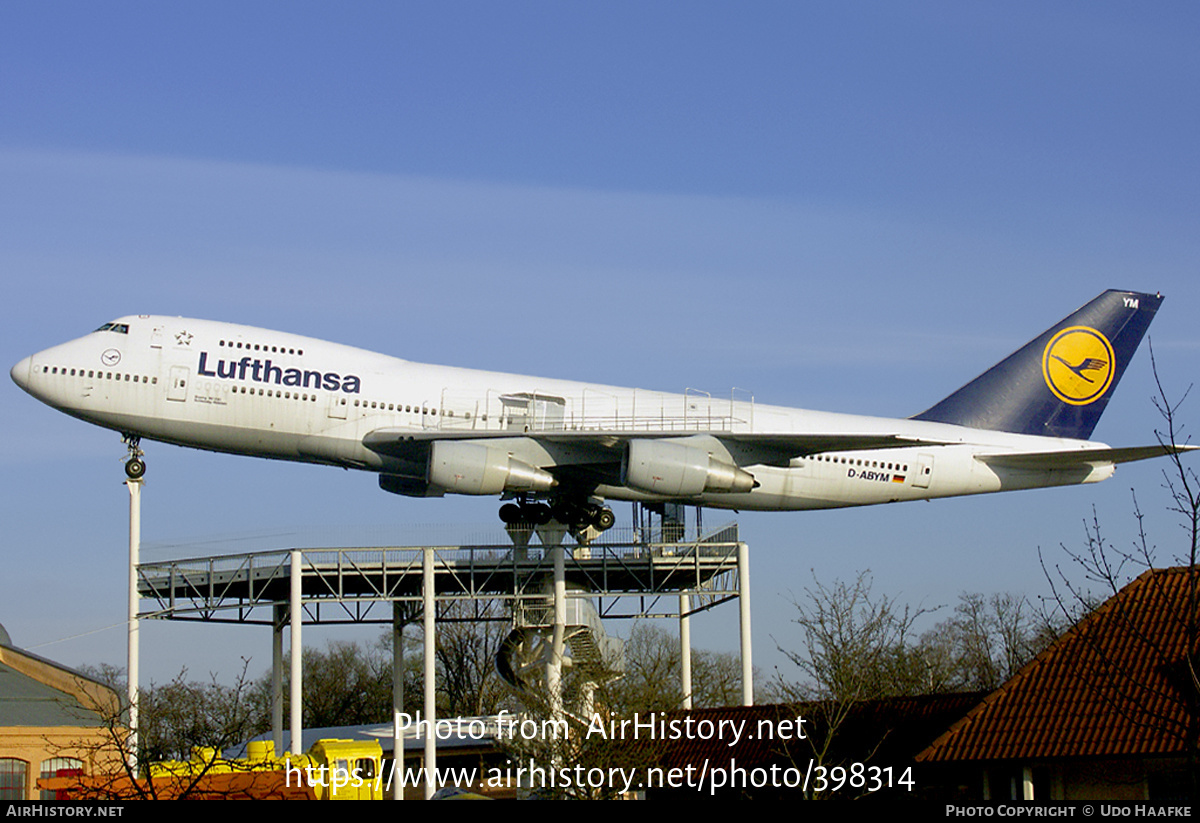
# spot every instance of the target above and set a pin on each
(243, 390)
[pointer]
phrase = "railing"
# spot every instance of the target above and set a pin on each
(634, 411)
(365, 537)
(353, 579)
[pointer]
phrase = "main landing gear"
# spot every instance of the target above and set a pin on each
(135, 466)
(575, 515)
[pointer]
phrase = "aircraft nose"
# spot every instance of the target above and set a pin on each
(20, 373)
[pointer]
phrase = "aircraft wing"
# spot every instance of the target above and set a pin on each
(605, 446)
(1078, 458)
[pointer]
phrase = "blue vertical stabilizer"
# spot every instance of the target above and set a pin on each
(1058, 384)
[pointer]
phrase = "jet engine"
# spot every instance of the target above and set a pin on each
(474, 468)
(678, 469)
(408, 486)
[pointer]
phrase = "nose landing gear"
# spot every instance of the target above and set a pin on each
(135, 466)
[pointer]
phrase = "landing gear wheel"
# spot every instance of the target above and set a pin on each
(538, 514)
(511, 514)
(564, 512)
(603, 519)
(135, 467)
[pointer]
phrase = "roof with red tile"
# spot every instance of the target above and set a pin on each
(1119, 683)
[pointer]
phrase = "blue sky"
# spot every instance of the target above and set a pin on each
(852, 207)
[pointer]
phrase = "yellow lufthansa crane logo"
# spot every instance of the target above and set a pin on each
(1078, 365)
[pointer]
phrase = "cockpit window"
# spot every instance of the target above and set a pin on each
(119, 328)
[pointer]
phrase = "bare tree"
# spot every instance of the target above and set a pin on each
(857, 645)
(651, 679)
(986, 642)
(1162, 696)
(180, 716)
(176, 721)
(717, 678)
(652, 669)
(346, 684)
(468, 640)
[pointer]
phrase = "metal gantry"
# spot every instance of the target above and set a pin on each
(627, 578)
(637, 572)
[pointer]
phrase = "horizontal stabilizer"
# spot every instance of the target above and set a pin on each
(1045, 461)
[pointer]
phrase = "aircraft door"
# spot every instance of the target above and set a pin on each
(178, 387)
(337, 405)
(924, 469)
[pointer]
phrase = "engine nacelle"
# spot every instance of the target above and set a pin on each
(408, 486)
(474, 468)
(680, 470)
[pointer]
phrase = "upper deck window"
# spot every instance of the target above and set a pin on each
(119, 328)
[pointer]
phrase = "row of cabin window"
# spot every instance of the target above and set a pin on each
(243, 390)
(286, 395)
(871, 464)
(358, 403)
(137, 378)
(259, 347)
(373, 404)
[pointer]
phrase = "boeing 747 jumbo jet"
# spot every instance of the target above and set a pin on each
(557, 449)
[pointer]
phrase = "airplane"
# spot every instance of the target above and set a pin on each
(557, 449)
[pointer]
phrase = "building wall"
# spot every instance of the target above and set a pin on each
(95, 745)
(36, 744)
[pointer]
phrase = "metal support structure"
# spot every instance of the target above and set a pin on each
(277, 676)
(428, 590)
(587, 699)
(132, 648)
(743, 560)
(554, 665)
(296, 620)
(626, 579)
(685, 650)
(648, 574)
(397, 701)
